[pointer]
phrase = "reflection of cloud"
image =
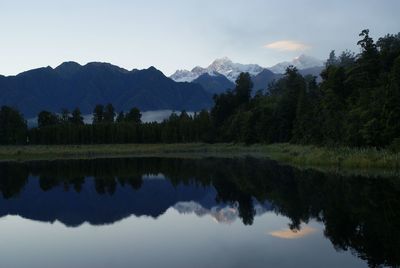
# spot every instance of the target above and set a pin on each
(289, 234)
(287, 45)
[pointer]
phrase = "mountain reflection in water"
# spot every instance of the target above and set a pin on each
(359, 214)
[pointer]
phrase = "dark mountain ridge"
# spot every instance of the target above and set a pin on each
(262, 80)
(215, 84)
(72, 85)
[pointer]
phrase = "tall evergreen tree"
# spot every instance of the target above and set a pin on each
(120, 117)
(76, 117)
(391, 108)
(109, 113)
(65, 117)
(134, 116)
(13, 127)
(291, 87)
(46, 119)
(243, 88)
(98, 114)
(332, 60)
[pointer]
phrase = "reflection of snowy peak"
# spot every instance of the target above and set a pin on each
(221, 213)
(222, 66)
(301, 62)
(190, 207)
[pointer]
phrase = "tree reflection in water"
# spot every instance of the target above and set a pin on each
(360, 214)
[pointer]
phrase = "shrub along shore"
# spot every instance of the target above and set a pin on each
(298, 155)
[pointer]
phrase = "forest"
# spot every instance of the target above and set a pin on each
(356, 104)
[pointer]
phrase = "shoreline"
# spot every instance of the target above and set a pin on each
(301, 156)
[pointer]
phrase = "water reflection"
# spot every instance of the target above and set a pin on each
(293, 234)
(359, 214)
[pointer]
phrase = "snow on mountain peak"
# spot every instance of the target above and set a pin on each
(231, 70)
(183, 76)
(218, 63)
(301, 62)
(224, 66)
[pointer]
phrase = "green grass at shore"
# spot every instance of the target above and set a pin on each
(340, 157)
(298, 155)
(49, 152)
(342, 160)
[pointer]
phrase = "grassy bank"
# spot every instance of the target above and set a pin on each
(43, 152)
(363, 160)
(298, 155)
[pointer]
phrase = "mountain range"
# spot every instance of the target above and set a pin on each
(223, 66)
(231, 70)
(222, 73)
(72, 85)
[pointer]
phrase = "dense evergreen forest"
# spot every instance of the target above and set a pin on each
(356, 104)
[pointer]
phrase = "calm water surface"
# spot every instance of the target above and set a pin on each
(157, 212)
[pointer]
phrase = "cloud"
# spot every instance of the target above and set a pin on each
(287, 45)
(289, 234)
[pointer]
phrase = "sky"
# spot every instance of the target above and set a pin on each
(181, 34)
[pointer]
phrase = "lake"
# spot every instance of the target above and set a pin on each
(209, 212)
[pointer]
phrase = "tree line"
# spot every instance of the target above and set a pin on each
(357, 104)
(109, 127)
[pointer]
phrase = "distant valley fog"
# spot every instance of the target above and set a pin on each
(147, 117)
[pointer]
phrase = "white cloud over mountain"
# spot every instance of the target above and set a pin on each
(287, 45)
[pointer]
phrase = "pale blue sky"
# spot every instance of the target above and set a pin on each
(181, 34)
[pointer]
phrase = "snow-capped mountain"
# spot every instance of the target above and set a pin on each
(222, 66)
(301, 62)
(183, 76)
(231, 70)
